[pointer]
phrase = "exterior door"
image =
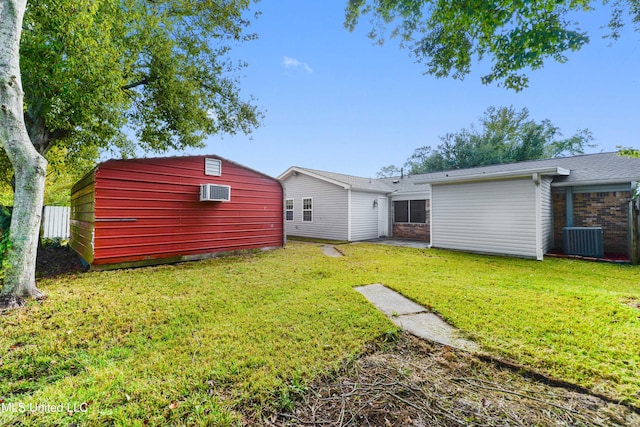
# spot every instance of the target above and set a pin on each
(383, 217)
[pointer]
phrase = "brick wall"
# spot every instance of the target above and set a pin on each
(404, 230)
(608, 210)
(559, 218)
(411, 231)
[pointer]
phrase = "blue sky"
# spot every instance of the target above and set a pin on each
(336, 101)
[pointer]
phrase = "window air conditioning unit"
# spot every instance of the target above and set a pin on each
(215, 193)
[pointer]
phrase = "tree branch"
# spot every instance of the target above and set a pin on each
(142, 82)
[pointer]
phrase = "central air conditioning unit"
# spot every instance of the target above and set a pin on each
(215, 193)
(583, 241)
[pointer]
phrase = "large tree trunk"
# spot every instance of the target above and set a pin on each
(29, 166)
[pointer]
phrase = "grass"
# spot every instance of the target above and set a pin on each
(200, 343)
(315, 240)
(572, 319)
(189, 344)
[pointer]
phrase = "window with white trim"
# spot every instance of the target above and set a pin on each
(288, 209)
(307, 209)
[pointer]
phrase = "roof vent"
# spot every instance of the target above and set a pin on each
(212, 167)
(215, 193)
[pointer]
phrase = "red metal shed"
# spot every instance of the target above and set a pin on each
(136, 212)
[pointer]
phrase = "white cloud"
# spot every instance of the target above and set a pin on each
(289, 62)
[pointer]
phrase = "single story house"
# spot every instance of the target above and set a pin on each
(579, 205)
(334, 206)
(136, 212)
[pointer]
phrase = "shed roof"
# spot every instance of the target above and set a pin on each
(79, 183)
(179, 158)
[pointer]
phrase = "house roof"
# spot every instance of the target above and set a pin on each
(587, 169)
(407, 184)
(345, 181)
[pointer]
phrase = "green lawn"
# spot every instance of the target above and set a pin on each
(198, 343)
(575, 320)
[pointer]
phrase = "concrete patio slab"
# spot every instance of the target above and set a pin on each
(414, 318)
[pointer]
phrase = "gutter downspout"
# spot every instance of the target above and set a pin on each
(430, 217)
(349, 214)
(538, 215)
(634, 226)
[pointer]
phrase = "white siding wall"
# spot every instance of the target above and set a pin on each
(364, 216)
(490, 217)
(330, 208)
(547, 213)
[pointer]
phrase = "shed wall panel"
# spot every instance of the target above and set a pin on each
(330, 208)
(489, 217)
(147, 209)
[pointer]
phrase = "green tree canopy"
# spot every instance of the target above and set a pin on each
(506, 136)
(91, 68)
(447, 36)
(388, 171)
(629, 151)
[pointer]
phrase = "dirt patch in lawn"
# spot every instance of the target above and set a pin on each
(55, 260)
(632, 302)
(418, 383)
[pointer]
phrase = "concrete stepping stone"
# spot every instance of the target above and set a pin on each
(414, 318)
(331, 251)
